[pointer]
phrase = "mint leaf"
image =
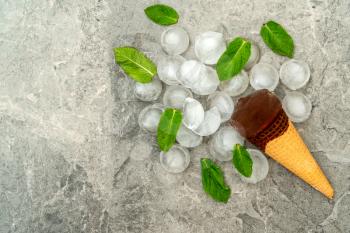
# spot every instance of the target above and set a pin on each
(135, 64)
(242, 161)
(162, 14)
(168, 126)
(213, 181)
(233, 59)
(277, 38)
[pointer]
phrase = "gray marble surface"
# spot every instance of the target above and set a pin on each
(73, 159)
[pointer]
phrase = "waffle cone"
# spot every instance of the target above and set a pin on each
(291, 152)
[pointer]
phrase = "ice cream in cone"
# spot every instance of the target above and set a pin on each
(260, 118)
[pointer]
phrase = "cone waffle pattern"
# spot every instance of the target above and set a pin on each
(278, 126)
(291, 152)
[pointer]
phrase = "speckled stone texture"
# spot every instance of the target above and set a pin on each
(73, 159)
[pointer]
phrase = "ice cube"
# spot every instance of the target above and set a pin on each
(260, 167)
(148, 91)
(254, 56)
(294, 74)
(210, 124)
(222, 143)
(190, 73)
(297, 106)
(149, 117)
(237, 85)
(264, 76)
(208, 82)
(187, 138)
(176, 160)
(209, 46)
(168, 68)
(223, 102)
(175, 40)
(193, 113)
(174, 96)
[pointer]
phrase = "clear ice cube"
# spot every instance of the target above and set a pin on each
(223, 141)
(149, 117)
(210, 124)
(297, 106)
(294, 74)
(254, 56)
(190, 73)
(168, 68)
(264, 76)
(175, 40)
(209, 46)
(148, 91)
(193, 113)
(235, 86)
(260, 167)
(174, 96)
(208, 82)
(176, 160)
(187, 138)
(223, 102)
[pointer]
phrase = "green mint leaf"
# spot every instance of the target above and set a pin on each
(277, 39)
(242, 161)
(162, 14)
(232, 61)
(168, 126)
(135, 64)
(213, 181)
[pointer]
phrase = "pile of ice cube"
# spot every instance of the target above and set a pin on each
(187, 80)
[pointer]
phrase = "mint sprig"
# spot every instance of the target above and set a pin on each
(232, 61)
(277, 39)
(162, 14)
(241, 160)
(213, 181)
(168, 126)
(135, 64)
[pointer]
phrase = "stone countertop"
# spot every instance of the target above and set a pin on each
(73, 159)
